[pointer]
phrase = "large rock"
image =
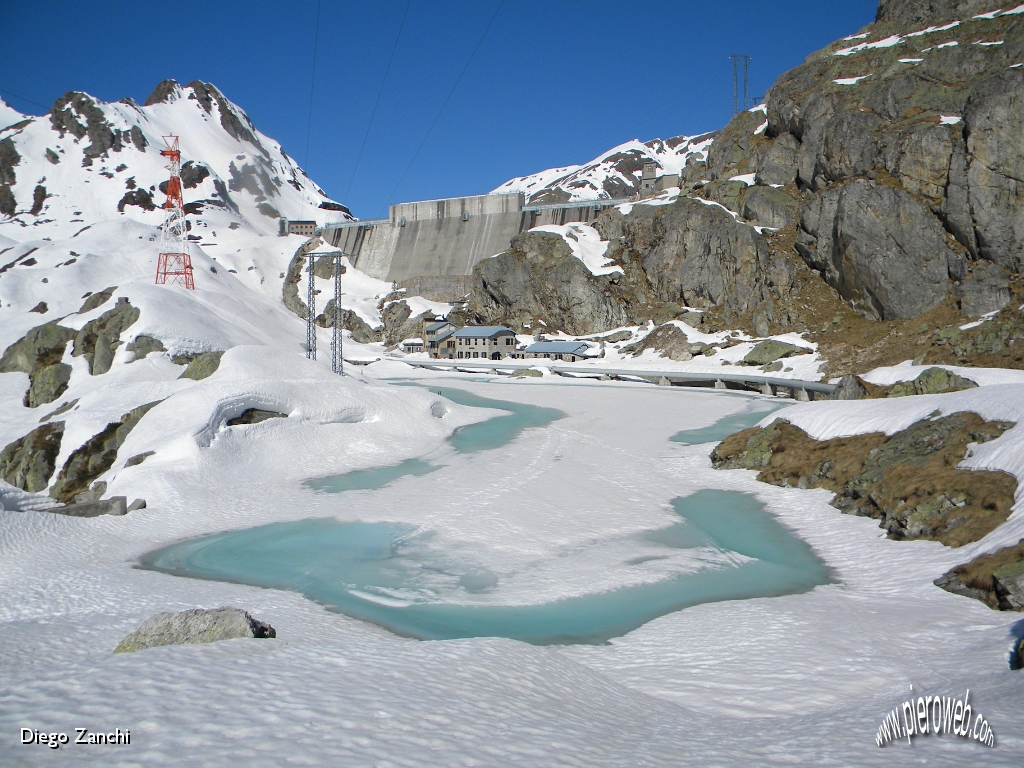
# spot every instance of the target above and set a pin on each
(770, 350)
(195, 626)
(778, 165)
(38, 353)
(361, 331)
(931, 381)
(668, 340)
(200, 366)
(29, 463)
(884, 253)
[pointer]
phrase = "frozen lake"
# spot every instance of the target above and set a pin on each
(390, 575)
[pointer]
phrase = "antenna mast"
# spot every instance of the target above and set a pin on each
(174, 265)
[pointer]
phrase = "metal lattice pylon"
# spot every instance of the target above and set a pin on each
(311, 309)
(337, 362)
(174, 265)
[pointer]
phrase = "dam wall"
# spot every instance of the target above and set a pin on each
(447, 237)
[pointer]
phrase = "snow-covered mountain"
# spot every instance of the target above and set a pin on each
(614, 174)
(87, 161)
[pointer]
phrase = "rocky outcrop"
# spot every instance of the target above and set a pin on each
(28, 463)
(350, 321)
(995, 578)
(100, 338)
(399, 323)
(290, 290)
(539, 280)
(670, 342)
(907, 480)
(38, 353)
(195, 626)
(91, 460)
(932, 381)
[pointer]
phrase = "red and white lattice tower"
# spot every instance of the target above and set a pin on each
(174, 265)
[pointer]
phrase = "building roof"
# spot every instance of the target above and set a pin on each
(558, 347)
(482, 331)
(436, 325)
(441, 337)
(411, 342)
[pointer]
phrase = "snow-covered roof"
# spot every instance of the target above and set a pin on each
(482, 331)
(558, 347)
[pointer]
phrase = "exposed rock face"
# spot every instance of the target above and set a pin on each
(986, 290)
(100, 338)
(907, 480)
(28, 463)
(91, 460)
(290, 290)
(195, 626)
(878, 247)
(38, 353)
(538, 279)
(996, 578)
(992, 120)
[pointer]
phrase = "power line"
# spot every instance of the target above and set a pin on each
(445, 104)
(312, 80)
(373, 114)
(23, 98)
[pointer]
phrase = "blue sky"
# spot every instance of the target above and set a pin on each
(551, 83)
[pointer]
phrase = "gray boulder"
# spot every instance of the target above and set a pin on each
(849, 388)
(1008, 584)
(143, 345)
(669, 341)
(986, 290)
(195, 626)
(770, 350)
(884, 253)
(38, 353)
(200, 366)
(115, 505)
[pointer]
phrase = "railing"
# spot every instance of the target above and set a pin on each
(796, 386)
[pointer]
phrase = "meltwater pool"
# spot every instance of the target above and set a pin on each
(391, 575)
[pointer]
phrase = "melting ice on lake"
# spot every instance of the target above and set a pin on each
(391, 575)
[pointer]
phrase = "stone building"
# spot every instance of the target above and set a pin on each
(487, 342)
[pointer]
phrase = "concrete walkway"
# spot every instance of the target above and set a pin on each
(767, 385)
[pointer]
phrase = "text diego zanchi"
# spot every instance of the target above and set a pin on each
(82, 736)
(935, 714)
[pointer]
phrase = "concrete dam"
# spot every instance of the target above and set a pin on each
(431, 246)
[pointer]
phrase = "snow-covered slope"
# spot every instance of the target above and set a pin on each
(614, 174)
(87, 161)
